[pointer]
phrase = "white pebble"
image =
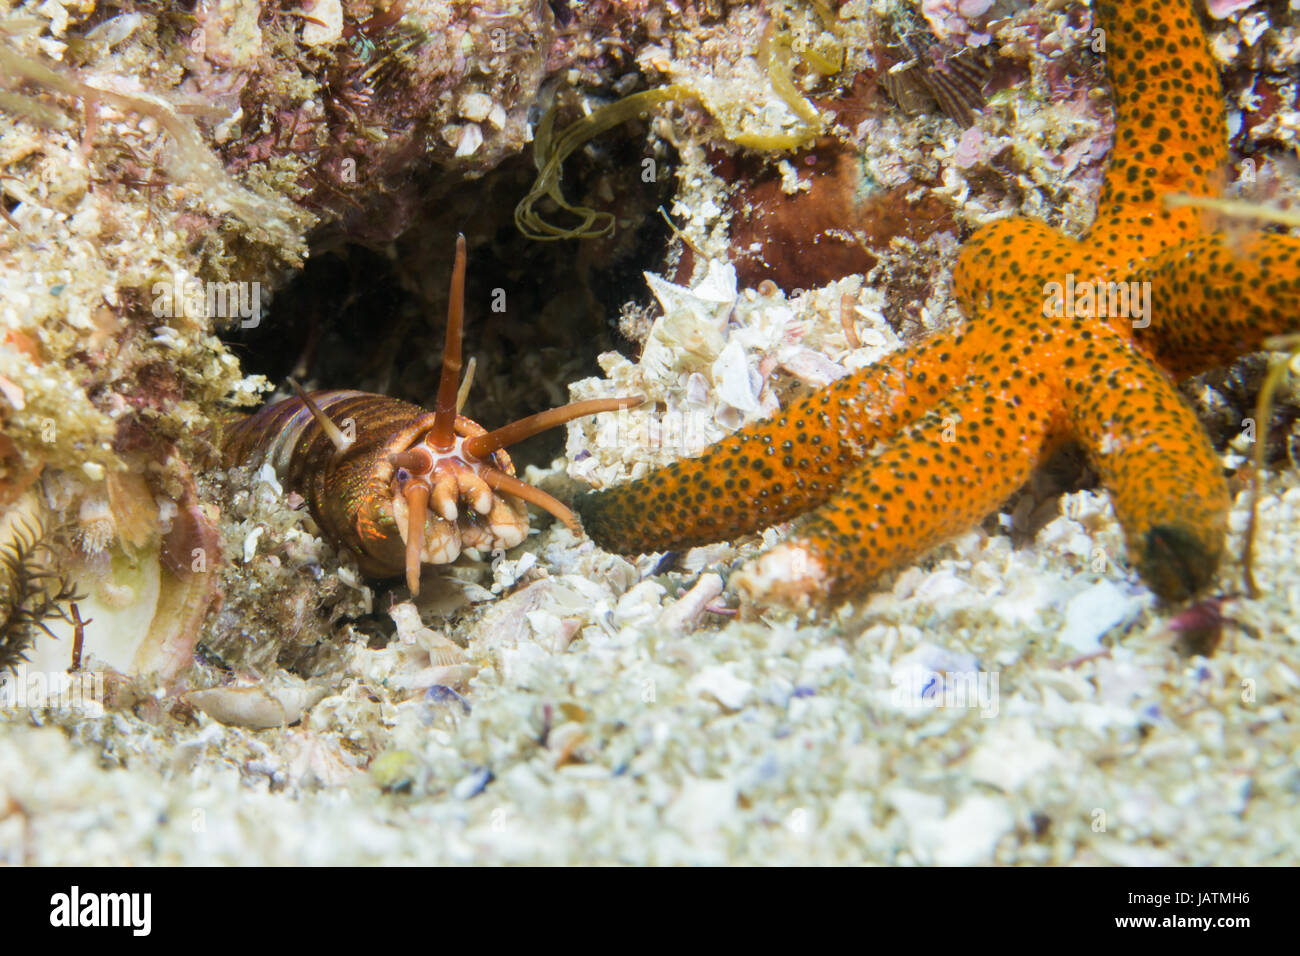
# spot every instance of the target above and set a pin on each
(475, 106)
(471, 138)
(723, 686)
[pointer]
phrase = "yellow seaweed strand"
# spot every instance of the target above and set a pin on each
(1263, 410)
(775, 55)
(814, 59)
(1236, 207)
(549, 155)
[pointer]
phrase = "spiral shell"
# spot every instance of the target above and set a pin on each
(353, 495)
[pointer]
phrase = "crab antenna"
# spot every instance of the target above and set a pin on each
(480, 446)
(417, 500)
(500, 481)
(443, 434)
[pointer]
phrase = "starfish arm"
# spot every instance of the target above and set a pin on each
(942, 475)
(1062, 337)
(1220, 296)
(1007, 265)
(1170, 136)
(779, 467)
(1170, 132)
(1164, 480)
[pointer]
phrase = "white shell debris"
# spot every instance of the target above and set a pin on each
(13, 394)
(703, 806)
(1012, 755)
(722, 685)
(812, 368)
(708, 368)
(406, 618)
(187, 751)
(917, 674)
(271, 703)
(312, 759)
(113, 31)
(250, 543)
(507, 572)
(548, 612)
(471, 138)
(735, 384)
(266, 476)
(646, 746)
(471, 785)
(965, 837)
(420, 658)
(1090, 614)
(640, 605)
(475, 106)
(686, 612)
(692, 328)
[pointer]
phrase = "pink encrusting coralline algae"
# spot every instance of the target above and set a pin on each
(955, 20)
(1222, 9)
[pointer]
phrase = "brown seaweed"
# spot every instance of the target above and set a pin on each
(33, 594)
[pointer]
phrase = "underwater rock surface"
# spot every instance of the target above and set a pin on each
(1016, 697)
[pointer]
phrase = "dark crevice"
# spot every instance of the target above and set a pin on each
(537, 313)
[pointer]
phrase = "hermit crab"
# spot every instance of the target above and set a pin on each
(395, 484)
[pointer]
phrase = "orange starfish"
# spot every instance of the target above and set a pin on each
(1062, 338)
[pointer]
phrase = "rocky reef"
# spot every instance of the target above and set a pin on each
(717, 205)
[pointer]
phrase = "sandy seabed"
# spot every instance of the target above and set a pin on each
(1073, 731)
